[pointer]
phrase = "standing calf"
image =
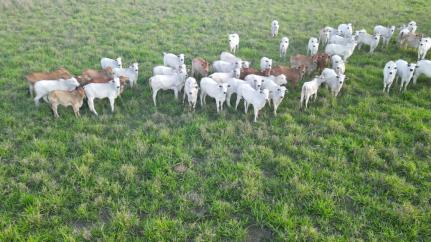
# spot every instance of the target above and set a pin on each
(73, 98)
(405, 72)
(309, 89)
(233, 42)
(274, 28)
(385, 32)
(173, 60)
(284, 45)
(257, 98)
(423, 68)
(167, 82)
(313, 46)
(424, 46)
(110, 90)
(191, 89)
(107, 62)
(200, 66)
(44, 87)
(215, 90)
(389, 73)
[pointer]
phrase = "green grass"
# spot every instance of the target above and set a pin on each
(352, 168)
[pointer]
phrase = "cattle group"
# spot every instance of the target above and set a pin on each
(234, 75)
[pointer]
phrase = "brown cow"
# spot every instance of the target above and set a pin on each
(200, 66)
(410, 40)
(247, 71)
(310, 62)
(292, 74)
(60, 73)
(322, 60)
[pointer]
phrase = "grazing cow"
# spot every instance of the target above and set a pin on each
(60, 73)
(73, 98)
(200, 66)
(389, 73)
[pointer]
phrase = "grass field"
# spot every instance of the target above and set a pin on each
(353, 168)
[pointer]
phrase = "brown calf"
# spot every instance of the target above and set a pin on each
(310, 62)
(60, 73)
(200, 66)
(247, 71)
(67, 98)
(410, 40)
(322, 60)
(294, 75)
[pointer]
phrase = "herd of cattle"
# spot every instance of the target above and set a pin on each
(233, 75)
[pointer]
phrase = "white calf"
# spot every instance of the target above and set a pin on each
(284, 45)
(276, 93)
(274, 28)
(385, 32)
(313, 46)
(309, 89)
(215, 90)
(233, 42)
(265, 63)
(423, 68)
(44, 87)
(107, 62)
(368, 39)
(405, 73)
(173, 82)
(257, 98)
(172, 60)
(109, 90)
(191, 89)
(423, 48)
(389, 73)
(131, 73)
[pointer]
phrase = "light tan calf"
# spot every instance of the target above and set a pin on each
(73, 98)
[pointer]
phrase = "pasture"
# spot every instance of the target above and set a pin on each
(355, 167)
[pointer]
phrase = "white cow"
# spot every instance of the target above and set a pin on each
(44, 87)
(423, 68)
(173, 82)
(109, 90)
(265, 63)
(284, 45)
(385, 32)
(215, 90)
(389, 73)
(423, 48)
(131, 73)
(233, 42)
(405, 72)
(309, 89)
(257, 98)
(274, 28)
(345, 30)
(191, 89)
(345, 51)
(173, 60)
(107, 62)
(313, 46)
